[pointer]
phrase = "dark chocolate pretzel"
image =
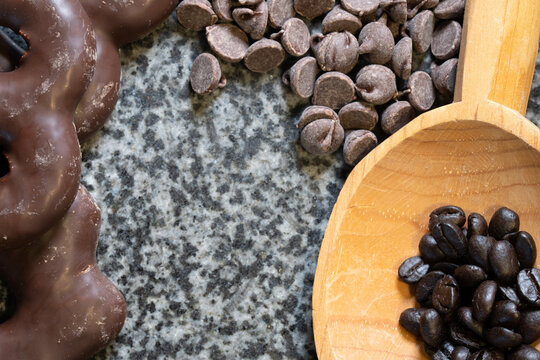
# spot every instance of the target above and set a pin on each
(65, 307)
(10, 53)
(37, 103)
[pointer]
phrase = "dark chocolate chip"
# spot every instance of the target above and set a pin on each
(402, 58)
(264, 55)
(450, 9)
(358, 143)
(421, 30)
(358, 116)
(323, 136)
(376, 84)
(334, 89)
(341, 20)
(422, 92)
(361, 7)
(252, 21)
(396, 9)
(446, 40)
(397, 115)
(223, 9)
(228, 41)
(336, 51)
(301, 77)
(313, 8)
(444, 78)
(295, 37)
(280, 11)
(206, 74)
(376, 43)
(313, 113)
(196, 14)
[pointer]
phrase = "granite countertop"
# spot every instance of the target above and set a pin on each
(212, 213)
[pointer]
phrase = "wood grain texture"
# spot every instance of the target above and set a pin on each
(475, 153)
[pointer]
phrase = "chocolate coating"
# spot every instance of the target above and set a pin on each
(10, 53)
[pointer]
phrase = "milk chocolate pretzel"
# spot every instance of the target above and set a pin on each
(37, 103)
(65, 307)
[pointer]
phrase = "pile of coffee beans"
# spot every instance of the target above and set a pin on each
(478, 289)
(362, 62)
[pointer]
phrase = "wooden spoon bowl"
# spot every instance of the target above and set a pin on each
(479, 153)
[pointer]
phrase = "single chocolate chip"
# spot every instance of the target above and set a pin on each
(446, 295)
(252, 21)
(323, 136)
(460, 353)
(505, 314)
(479, 248)
(341, 20)
(313, 113)
(223, 9)
(247, 2)
(446, 40)
(467, 319)
(528, 281)
(461, 335)
(424, 288)
(295, 37)
(524, 352)
(503, 262)
(313, 8)
(504, 221)
(397, 9)
(476, 225)
(412, 270)
(206, 74)
(376, 84)
(397, 115)
(444, 77)
(196, 14)
(280, 11)
(376, 43)
(402, 58)
(414, 6)
(395, 28)
(336, 51)
(508, 293)
(264, 55)
(451, 240)
(228, 41)
(503, 338)
(529, 326)
(421, 30)
(450, 9)
(446, 267)
(470, 276)
(484, 299)
(525, 248)
(361, 7)
(422, 92)
(333, 89)
(301, 77)
(432, 327)
(447, 214)
(410, 320)
(430, 251)
(358, 144)
(358, 116)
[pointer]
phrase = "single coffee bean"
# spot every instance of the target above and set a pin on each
(313, 8)
(301, 77)
(334, 89)
(376, 84)
(444, 79)
(529, 326)
(504, 221)
(228, 42)
(470, 276)
(312, 113)
(339, 20)
(503, 261)
(264, 55)
(485, 354)
(445, 267)
(503, 338)
(484, 299)
(376, 43)
(461, 353)
(528, 281)
(505, 314)
(449, 9)
(280, 11)
(421, 30)
(446, 295)
(196, 14)
(396, 9)
(446, 40)
(465, 337)
(424, 288)
(432, 327)
(443, 352)
(508, 293)
(479, 248)
(525, 248)
(451, 241)
(448, 214)
(364, 8)
(358, 143)
(223, 9)
(422, 92)
(295, 37)
(397, 115)
(476, 225)
(358, 115)
(336, 51)
(402, 58)
(206, 74)
(252, 21)
(323, 136)
(410, 320)
(467, 319)
(412, 270)
(430, 251)
(524, 352)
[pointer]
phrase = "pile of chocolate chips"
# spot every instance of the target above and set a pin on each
(477, 287)
(362, 71)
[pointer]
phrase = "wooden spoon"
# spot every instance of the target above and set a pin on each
(479, 153)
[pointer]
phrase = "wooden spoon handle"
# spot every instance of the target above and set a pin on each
(498, 52)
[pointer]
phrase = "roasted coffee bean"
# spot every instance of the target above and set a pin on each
(412, 270)
(508, 293)
(301, 77)
(376, 84)
(364, 8)
(443, 352)
(446, 295)
(430, 251)
(464, 231)
(479, 248)
(461, 353)
(252, 21)
(402, 58)
(323, 136)
(421, 30)
(397, 115)
(396, 9)
(358, 116)
(280, 11)
(446, 267)
(313, 8)
(341, 20)
(451, 241)
(525, 248)
(467, 319)
(206, 74)
(376, 43)
(470, 276)
(503, 338)
(334, 89)
(504, 221)
(528, 281)
(422, 91)
(449, 9)
(529, 326)
(410, 320)
(432, 327)
(446, 40)
(264, 55)
(524, 352)
(358, 143)
(336, 51)
(424, 288)
(465, 337)
(476, 225)
(503, 261)
(295, 37)
(447, 214)
(444, 79)
(223, 9)
(196, 14)
(485, 354)
(227, 41)
(315, 112)
(484, 299)
(505, 314)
